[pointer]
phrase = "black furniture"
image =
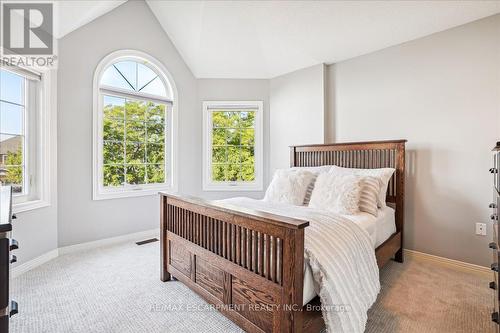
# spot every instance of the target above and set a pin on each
(8, 307)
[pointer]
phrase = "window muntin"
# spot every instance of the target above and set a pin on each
(134, 124)
(232, 146)
(13, 110)
(133, 76)
(133, 142)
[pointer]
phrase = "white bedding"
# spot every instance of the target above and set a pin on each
(379, 228)
(339, 253)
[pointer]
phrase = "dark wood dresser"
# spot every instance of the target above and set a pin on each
(8, 307)
(494, 246)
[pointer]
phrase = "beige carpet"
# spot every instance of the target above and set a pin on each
(423, 296)
(117, 289)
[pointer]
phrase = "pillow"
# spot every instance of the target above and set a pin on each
(289, 186)
(384, 174)
(316, 171)
(337, 193)
(370, 188)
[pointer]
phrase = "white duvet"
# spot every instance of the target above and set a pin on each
(342, 259)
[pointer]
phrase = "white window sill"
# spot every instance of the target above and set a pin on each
(129, 193)
(232, 188)
(29, 205)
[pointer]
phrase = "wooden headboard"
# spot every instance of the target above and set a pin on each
(363, 155)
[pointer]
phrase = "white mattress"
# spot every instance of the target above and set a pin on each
(379, 228)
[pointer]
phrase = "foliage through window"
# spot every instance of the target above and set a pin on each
(232, 135)
(134, 126)
(12, 131)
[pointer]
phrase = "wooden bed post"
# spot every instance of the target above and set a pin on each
(164, 274)
(400, 202)
(293, 282)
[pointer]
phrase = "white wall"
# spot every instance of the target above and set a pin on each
(80, 218)
(442, 93)
(297, 107)
(36, 230)
(236, 90)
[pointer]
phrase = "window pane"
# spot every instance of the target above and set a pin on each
(221, 119)
(111, 77)
(219, 155)
(135, 153)
(218, 137)
(144, 76)
(218, 172)
(136, 110)
(114, 107)
(248, 172)
(114, 175)
(248, 137)
(11, 118)
(155, 153)
(233, 136)
(129, 70)
(247, 119)
(136, 131)
(113, 152)
(156, 132)
(233, 140)
(11, 87)
(233, 155)
(113, 129)
(11, 150)
(233, 172)
(12, 176)
(136, 174)
(156, 88)
(156, 113)
(156, 173)
(247, 155)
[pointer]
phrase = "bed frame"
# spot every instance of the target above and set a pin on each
(249, 264)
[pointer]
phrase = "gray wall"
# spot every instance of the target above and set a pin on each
(442, 93)
(297, 112)
(80, 218)
(234, 90)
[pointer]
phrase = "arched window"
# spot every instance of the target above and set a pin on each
(134, 118)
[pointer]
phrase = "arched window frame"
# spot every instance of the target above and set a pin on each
(99, 191)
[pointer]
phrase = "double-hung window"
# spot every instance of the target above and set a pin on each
(133, 129)
(232, 157)
(23, 137)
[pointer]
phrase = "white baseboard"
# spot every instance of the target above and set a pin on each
(137, 236)
(445, 261)
(29, 265)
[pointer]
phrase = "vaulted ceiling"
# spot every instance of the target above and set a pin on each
(264, 39)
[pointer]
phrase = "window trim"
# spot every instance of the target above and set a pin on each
(45, 112)
(208, 184)
(99, 192)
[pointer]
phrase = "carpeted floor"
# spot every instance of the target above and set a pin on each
(117, 289)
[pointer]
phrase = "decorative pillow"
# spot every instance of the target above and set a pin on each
(289, 186)
(370, 189)
(384, 174)
(316, 171)
(337, 193)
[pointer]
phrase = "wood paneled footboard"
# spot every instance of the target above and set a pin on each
(248, 264)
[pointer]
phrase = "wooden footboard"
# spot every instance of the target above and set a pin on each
(248, 264)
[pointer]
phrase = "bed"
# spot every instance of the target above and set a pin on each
(248, 259)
